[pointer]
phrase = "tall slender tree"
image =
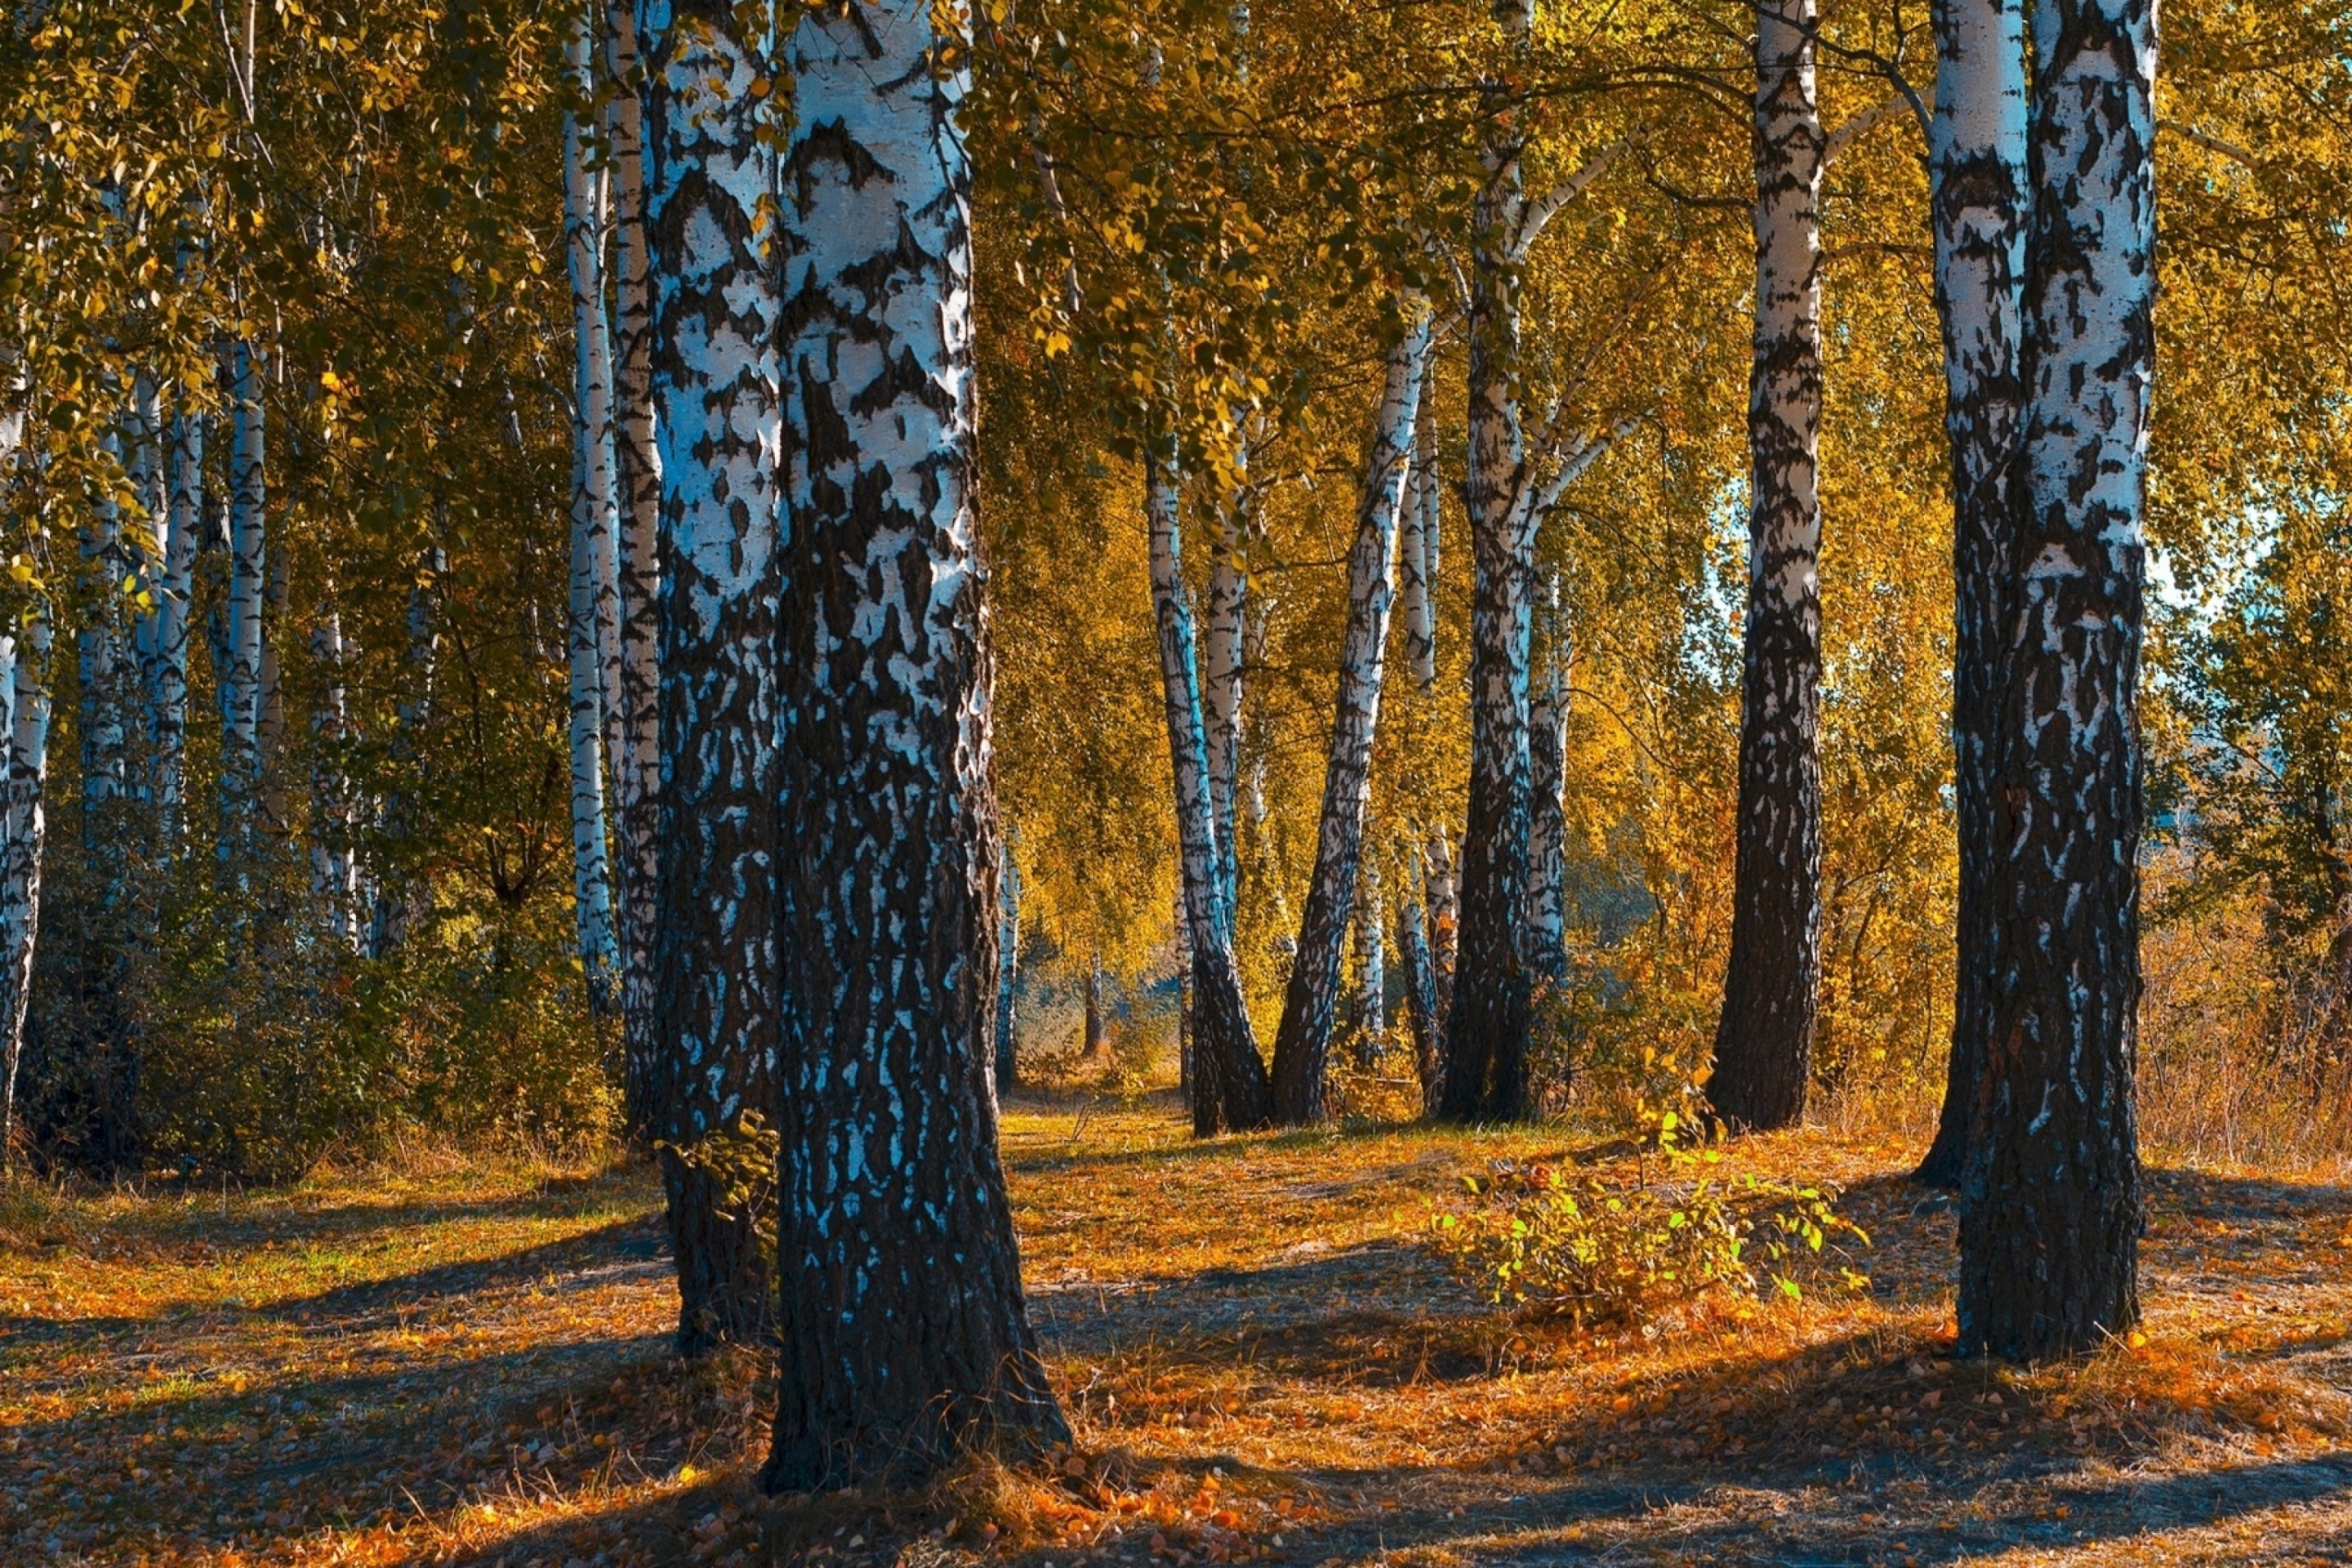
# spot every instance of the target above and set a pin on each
(1310, 1001)
(1977, 200)
(710, 182)
(636, 758)
(1230, 1087)
(23, 836)
(1771, 991)
(591, 634)
(240, 681)
(2050, 1203)
(1545, 936)
(904, 1336)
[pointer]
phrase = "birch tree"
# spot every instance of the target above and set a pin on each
(1230, 1087)
(241, 679)
(1546, 929)
(635, 760)
(904, 1336)
(1978, 206)
(1763, 1045)
(23, 834)
(1310, 1000)
(592, 643)
(710, 178)
(2050, 1205)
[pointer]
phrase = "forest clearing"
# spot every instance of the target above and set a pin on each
(1175, 782)
(1261, 1358)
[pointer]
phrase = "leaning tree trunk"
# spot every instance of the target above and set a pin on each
(1977, 207)
(1302, 1044)
(635, 761)
(905, 1339)
(1229, 1090)
(1418, 554)
(1486, 1026)
(710, 179)
(22, 839)
(2050, 1206)
(590, 606)
(1771, 990)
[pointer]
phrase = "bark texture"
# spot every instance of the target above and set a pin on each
(1230, 1087)
(591, 640)
(1302, 1044)
(1545, 934)
(634, 763)
(21, 836)
(1764, 1043)
(1008, 969)
(906, 1339)
(241, 677)
(2050, 1205)
(1486, 1025)
(1978, 206)
(710, 182)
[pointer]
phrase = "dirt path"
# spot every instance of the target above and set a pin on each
(1261, 1360)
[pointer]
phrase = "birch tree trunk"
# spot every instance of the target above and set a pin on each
(240, 681)
(1302, 1044)
(636, 761)
(1545, 927)
(334, 861)
(592, 644)
(1417, 556)
(1764, 1043)
(1371, 970)
(22, 841)
(1487, 1027)
(168, 712)
(711, 181)
(1008, 969)
(2050, 1206)
(1230, 1089)
(1228, 616)
(906, 1341)
(1978, 204)
(1442, 882)
(1419, 989)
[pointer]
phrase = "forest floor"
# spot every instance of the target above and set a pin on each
(465, 1364)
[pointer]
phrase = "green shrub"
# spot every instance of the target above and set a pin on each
(1562, 1244)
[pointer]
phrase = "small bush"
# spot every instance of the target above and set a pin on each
(1567, 1244)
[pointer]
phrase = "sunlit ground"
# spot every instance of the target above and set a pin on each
(467, 1364)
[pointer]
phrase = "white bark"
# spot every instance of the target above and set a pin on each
(1546, 918)
(1228, 611)
(241, 682)
(1417, 556)
(635, 760)
(592, 635)
(1372, 967)
(173, 586)
(334, 807)
(22, 834)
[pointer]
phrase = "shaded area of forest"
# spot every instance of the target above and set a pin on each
(468, 1364)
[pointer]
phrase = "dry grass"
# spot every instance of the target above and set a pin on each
(468, 1366)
